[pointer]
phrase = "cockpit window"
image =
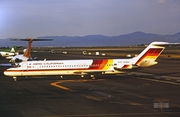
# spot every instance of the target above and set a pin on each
(16, 65)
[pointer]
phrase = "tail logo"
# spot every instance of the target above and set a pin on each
(151, 54)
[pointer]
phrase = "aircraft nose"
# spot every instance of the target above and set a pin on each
(0, 55)
(6, 73)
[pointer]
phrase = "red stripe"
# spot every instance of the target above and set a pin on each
(154, 52)
(151, 52)
(96, 64)
(103, 64)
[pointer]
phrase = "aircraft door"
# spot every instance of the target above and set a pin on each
(24, 66)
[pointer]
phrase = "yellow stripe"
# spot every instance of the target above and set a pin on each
(109, 64)
(151, 57)
(61, 87)
(58, 83)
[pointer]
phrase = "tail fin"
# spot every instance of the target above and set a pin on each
(28, 50)
(148, 56)
(12, 50)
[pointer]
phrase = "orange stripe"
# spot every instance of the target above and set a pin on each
(152, 53)
(108, 64)
(103, 64)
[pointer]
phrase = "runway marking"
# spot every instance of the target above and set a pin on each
(57, 84)
(133, 103)
(91, 97)
(133, 94)
(117, 114)
(168, 82)
(122, 102)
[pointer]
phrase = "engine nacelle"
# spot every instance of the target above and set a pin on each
(18, 58)
(123, 66)
(24, 50)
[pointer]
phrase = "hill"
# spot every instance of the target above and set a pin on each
(135, 38)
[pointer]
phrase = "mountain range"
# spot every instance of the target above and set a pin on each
(135, 38)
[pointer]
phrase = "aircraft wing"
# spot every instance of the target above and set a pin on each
(6, 65)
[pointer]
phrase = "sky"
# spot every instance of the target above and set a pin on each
(34, 18)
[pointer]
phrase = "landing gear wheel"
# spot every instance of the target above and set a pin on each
(92, 77)
(15, 78)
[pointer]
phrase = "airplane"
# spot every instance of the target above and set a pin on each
(26, 52)
(9, 53)
(86, 67)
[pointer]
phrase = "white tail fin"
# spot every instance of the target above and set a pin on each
(12, 50)
(148, 56)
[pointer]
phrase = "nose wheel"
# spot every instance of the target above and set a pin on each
(15, 78)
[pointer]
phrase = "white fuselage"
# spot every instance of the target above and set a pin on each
(81, 67)
(67, 67)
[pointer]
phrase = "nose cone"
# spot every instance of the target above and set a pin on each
(11, 72)
(7, 73)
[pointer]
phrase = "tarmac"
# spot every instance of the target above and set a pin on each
(150, 92)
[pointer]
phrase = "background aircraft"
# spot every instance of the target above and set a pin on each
(85, 67)
(9, 53)
(26, 52)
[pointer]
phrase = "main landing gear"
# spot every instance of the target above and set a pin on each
(92, 76)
